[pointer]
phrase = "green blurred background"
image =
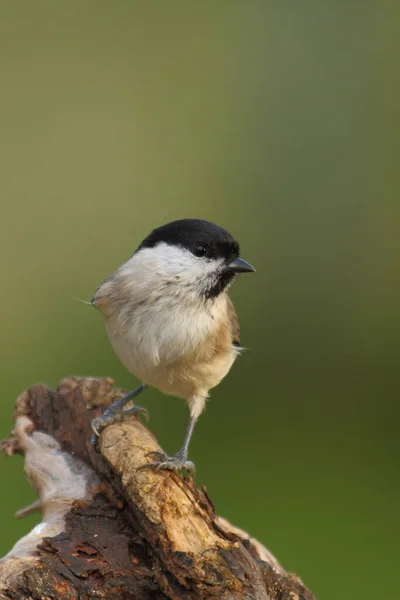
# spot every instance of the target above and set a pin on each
(279, 121)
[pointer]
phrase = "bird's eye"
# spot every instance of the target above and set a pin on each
(200, 250)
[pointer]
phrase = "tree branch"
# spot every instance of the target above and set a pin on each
(111, 529)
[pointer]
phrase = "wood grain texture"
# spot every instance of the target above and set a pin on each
(112, 529)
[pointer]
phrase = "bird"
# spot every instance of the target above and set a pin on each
(171, 322)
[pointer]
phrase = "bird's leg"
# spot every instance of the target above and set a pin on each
(179, 460)
(115, 412)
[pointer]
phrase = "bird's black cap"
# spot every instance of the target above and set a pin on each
(194, 234)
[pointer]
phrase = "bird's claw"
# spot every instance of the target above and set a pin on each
(95, 426)
(109, 417)
(163, 462)
(142, 411)
(157, 455)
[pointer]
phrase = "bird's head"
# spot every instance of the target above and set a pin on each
(192, 255)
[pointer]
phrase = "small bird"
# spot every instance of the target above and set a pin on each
(171, 322)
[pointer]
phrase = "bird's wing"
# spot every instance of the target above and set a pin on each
(233, 323)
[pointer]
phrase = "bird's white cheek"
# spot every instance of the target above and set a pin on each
(151, 270)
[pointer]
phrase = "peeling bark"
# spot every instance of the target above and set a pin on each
(111, 529)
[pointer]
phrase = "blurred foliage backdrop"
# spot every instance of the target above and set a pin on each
(278, 121)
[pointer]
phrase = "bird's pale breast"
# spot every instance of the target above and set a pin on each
(182, 351)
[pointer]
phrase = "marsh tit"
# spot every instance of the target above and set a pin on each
(170, 320)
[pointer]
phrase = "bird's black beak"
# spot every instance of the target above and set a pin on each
(240, 266)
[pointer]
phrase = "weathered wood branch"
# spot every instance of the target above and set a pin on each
(110, 529)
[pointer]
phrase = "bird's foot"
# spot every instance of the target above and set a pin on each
(111, 416)
(178, 462)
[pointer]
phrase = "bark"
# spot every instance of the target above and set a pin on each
(112, 530)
